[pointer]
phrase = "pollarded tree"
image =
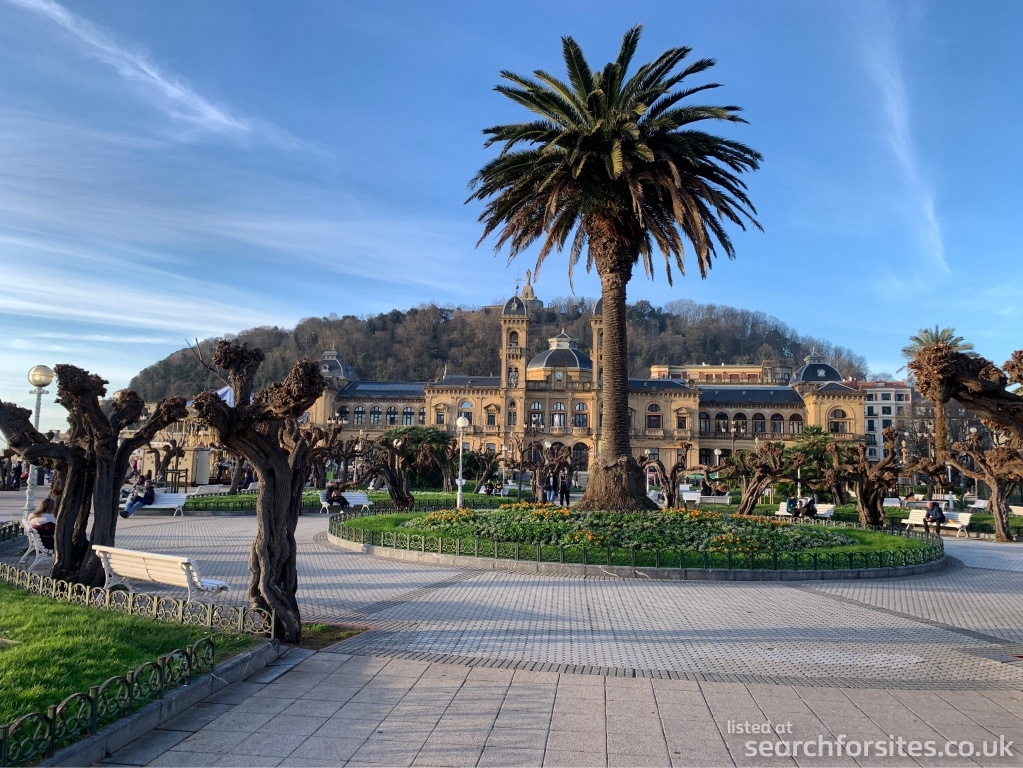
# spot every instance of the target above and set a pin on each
(94, 461)
(617, 165)
(1000, 466)
(871, 480)
(669, 479)
(265, 431)
(760, 468)
(402, 450)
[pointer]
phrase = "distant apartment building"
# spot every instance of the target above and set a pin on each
(887, 404)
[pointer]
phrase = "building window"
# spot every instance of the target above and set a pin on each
(886, 395)
(342, 414)
(655, 454)
(721, 424)
(900, 397)
(653, 416)
(536, 419)
(491, 448)
(706, 456)
(440, 417)
(392, 416)
(885, 423)
(871, 425)
(407, 416)
(739, 423)
(870, 410)
(795, 424)
(886, 410)
(870, 397)
(465, 409)
(422, 415)
(513, 418)
(872, 439)
(491, 419)
(559, 418)
(837, 424)
(360, 415)
(580, 456)
(681, 421)
(704, 427)
(374, 415)
(759, 424)
(777, 424)
(582, 420)
(872, 453)
(513, 339)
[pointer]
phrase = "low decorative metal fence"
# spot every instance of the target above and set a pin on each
(37, 735)
(933, 549)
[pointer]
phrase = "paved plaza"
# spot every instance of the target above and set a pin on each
(468, 667)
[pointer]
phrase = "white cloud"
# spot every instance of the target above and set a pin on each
(885, 68)
(163, 89)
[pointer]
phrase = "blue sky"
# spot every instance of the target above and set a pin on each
(181, 170)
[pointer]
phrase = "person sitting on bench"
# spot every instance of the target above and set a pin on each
(336, 496)
(44, 521)
(135, 502)
(933, 514)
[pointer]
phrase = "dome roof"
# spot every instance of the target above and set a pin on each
(562, 354)
(816, 371)
(333, 367)
(515, 306)
(598, 308)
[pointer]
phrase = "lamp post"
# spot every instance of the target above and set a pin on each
(461, 422)
(646, 470)
(39, 377)
(734, 430)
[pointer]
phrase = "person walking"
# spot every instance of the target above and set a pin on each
(564, 489)
(550, 487)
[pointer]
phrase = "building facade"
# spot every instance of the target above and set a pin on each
(886, 404)
(555, 397)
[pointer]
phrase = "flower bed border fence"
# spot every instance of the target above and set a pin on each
(38, 734)
(644, 558)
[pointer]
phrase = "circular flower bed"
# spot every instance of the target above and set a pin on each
(669, 529)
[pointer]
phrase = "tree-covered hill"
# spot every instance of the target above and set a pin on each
(417, 345)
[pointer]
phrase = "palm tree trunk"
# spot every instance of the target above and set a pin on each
(617, 481)
(940, 435)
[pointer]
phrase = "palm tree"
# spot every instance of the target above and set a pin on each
(617, 166)
(928, 337)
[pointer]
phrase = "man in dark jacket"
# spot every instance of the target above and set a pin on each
(933, 514)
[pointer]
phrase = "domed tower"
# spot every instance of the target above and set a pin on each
(562, 363)
(831, 404)
(597, 331)
(514, 343)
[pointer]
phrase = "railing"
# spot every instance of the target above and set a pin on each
(36, 735)
(645, 558)
(584, 386)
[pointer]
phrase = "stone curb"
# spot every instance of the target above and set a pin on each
(111, 738)
(627, 572)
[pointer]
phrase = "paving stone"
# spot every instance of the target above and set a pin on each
(212, 741)
(246, 761)
(266, 744)
(388, 752)
(504, 757)
(448, 755)
(517, 738)
(312, 707)
(329, 748)
(146, 748)
(575, 759)
(196, 717)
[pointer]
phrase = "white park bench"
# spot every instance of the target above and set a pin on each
(824, 511)
(211, 490)
(726, 499)
(355, 499)
(43, 556)
(252, 487)
(894, 501)
(122, 566)
(980, 505)
(691, 497)
(173, 501)
(959, 521)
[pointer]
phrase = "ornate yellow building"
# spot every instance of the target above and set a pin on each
(556, 397)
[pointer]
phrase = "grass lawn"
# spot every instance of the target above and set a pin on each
(51, 649)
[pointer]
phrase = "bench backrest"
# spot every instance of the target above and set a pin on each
(146, 566)
(693, 496)
(209, 490)
(34, 539)
(169, 499)
(1015, 509)
(892, 502)
(357, 498)
(716, 499)
(979, 504)
(916, 517)
(963, 518)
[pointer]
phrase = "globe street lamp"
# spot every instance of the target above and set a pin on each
(461, 422)
(39, 377)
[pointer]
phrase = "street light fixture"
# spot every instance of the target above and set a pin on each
(39, 377)
(461, 422)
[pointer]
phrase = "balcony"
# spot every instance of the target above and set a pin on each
(657, 433)
(580, 431)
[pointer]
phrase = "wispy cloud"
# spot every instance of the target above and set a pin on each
(885, 67)
(164, 89)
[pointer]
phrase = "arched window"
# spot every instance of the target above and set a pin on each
(407, 414)
(580, 406)
(438, 417)
(795, 424)
(360, 415)
(580, 457)
(513, 339)
(558, 416)
(759, 424)
(536, 413)
(536, 406)
(739, 422)
(465, 410)
(653, 416)
(392, 416)
(838, 423)
(374, 415)
(513, 415)
(342, 414)
(722, 424)
(422, 415)
(777, 424)
(704, 426)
